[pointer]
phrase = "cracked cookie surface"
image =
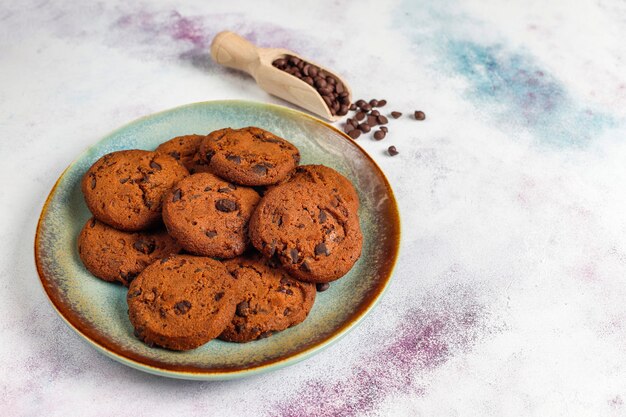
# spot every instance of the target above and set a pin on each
(182, 302)
(209, 216)
(185, 150)
(124, 189)
(312, 230)
(249, 156)
(268, 300)
(114, 255)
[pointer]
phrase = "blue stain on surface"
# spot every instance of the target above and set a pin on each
(520, 93)
(506, 85)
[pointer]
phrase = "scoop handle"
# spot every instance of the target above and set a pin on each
(234, 51)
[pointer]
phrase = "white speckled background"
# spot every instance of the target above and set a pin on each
(508, 298)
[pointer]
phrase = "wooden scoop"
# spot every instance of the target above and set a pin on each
(231, 50)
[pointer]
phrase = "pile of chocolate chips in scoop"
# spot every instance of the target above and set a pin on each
(336, 97)
(330, 88)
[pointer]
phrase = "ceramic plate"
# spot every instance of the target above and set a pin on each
(97, 310)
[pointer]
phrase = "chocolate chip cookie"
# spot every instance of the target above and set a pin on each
(114, 255)
(125, 189)
(182, 302)
(269, 300)
(249, 156)
(313, 231)
(209, 216)
(325, 177)
(185, 150)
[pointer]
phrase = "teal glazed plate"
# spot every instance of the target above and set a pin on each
(97, 310)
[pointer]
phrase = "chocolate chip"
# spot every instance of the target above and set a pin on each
(155, 165)
(93, 223)
(266, 334)
(354, 134)
(243, 309)
(224, 190)
(294, 255)
(366, 107)
(382, 103)
(226, 206)
(177, 195)
(285, 281)
(93, 182)
(352, 107)
(359, 116)
(372, 120)
(239, 327)
(348, 127)
(232, 186)
(209, 155)
(419, 115)
(144, 247)
(359, 103)
(286, 311)
(382, 120)
(163, 260)
(322, 286)
(234, 158)
(305, 267)
(375, 113)
(259, 169)
(364, 127)
(134, 293)
(175, 155)
(384, 129)
(379, 135)
(218, 296)
(322, 216)
(395, 114)
(182, 307)
(321, 249)
(392, 151)
(373, 102)
(210, 233)
(124, 180)
(289, 292)
(162, 313)
(272, 249)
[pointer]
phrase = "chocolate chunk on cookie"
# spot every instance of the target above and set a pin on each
(114, 255)
(269, 300)
(209, 216)
(249, 156)
(312, 230)
(182, 302)
(125, 189)
(323, 176)
(185, 150)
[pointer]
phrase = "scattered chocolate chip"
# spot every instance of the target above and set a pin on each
(243, 309)
(352, 107)
(382, 103)
(384, 129)
(364, 127)
(182, 307)
(379, 135)
(155, 165)
(294, 255)
(359, 116)
(372, 120)
(177, 195)
(218, 296)
(395, 114)
(144, 247)
(210, 233)
(321, 249)
(419, 115)
(382, 120)
(234, 158)
(354, 134)
(226, 206)
(373, 102)
(392, 151)
(366, 107)
(359, 103)
(375, 113)
(322, 286)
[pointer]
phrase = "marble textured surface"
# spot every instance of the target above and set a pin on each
(508, 295)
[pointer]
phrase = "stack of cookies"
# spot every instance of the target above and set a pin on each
(222, 235)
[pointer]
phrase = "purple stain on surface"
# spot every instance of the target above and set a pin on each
(425, 340)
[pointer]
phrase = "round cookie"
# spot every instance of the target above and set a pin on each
(185, 150)
(125, 189)
(269, 300)
(209, 216)
(313, 231)
(326, 177)
(249, 156)
(114, 255)
(182, 302)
